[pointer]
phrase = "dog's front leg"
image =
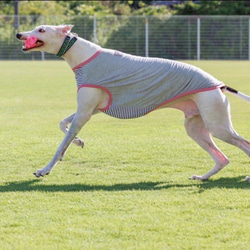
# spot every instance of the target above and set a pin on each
(77, 124)
(64, 127)
(87, 99)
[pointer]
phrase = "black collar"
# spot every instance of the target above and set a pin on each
(67, 44)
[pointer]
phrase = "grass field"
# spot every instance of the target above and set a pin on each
(129, 187)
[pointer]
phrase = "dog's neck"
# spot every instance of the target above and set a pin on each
(81, 51)
(67, 44)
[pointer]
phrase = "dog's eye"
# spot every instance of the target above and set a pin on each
(41, 30)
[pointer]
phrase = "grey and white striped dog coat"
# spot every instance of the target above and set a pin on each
(137, 85)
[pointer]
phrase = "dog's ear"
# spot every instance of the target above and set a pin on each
(64, 29)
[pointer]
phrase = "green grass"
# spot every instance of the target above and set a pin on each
(129, 187)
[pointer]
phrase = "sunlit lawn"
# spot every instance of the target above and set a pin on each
(129, 187)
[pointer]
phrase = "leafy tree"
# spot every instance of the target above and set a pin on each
(88, 8)
(124, 7)
(213, 8)
(137, 4)
(73, 7)
(7, 8)
(152, 11)
(46, 8)
(54, 8)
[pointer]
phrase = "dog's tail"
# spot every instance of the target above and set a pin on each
(236, 93)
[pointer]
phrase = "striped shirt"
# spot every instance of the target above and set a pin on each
(138, 85)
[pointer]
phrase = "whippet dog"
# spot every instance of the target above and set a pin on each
(126, 86)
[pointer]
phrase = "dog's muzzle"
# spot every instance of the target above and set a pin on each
(36, 44)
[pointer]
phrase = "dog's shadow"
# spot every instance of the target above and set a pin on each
(37, 185)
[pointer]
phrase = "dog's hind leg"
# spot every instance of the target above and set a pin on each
(215, 112)
(196, 129)
(64, 127)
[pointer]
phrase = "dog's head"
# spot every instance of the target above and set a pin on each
(45, 38)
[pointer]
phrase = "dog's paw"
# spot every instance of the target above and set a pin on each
(40, 173)
(247, 178)
(78, 142)
(196, 177)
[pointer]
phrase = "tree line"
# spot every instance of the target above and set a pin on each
(124, 29)
(126, 7)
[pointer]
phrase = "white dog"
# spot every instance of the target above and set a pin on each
(126, 86)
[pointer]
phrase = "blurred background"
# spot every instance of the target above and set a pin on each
(181, 30)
